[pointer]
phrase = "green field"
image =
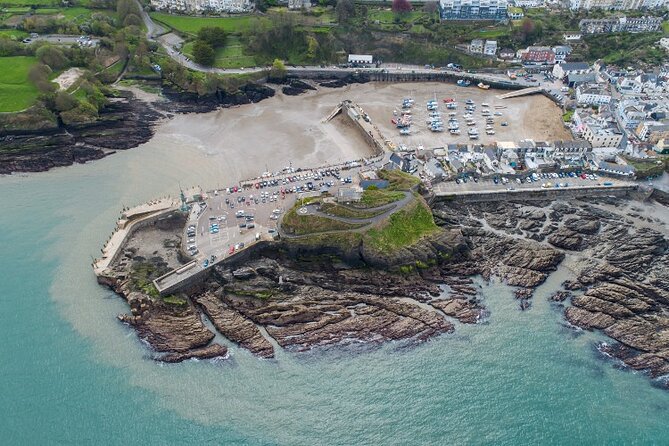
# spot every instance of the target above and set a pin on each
(191, 25)
(16, 92)
(13, 33)
(230, 56)
(30, 2)
(403, 228)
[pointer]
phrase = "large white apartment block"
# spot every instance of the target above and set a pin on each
(602, 134)
(473, 9)
(202, 6)
(592, 95)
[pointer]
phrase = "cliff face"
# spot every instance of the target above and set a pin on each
(124, 123)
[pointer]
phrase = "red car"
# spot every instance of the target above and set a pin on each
(232, 250)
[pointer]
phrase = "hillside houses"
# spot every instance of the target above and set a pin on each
(203, 6)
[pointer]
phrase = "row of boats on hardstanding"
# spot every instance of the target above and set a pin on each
(403, 119)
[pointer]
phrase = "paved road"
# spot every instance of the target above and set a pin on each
(388, 210)
(169, 41)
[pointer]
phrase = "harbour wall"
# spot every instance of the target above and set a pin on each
(193, 278)
(384, 76)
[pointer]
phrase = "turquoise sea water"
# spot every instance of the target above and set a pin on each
(71, 374)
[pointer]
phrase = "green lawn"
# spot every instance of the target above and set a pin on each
(403, 228)
(230, 56)
(376, 198)
(665, 27)
(191, 25)
(13, 33)
(296, 224)
(16, 92)
(30, 2)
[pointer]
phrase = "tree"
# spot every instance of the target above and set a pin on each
(65, 101)
(213, 35)
(52, 56)
(401, 6)
(278, 70)
(203, 53)
(312, 47)
(39, 75)
(345, 10)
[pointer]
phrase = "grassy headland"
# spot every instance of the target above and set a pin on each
(16, 91)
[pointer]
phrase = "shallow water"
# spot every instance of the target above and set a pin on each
(71, 374)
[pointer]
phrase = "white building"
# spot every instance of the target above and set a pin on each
(572, 37)
(360, 59)
(527, 3)
(561, 53)
(490, 48)
(610, 4)
(476, 46)
(600, 133)
(560, 71)
(202, 6)
(299, 4)
(473, 9)
(592, 95)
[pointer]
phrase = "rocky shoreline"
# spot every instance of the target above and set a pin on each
(297, 299)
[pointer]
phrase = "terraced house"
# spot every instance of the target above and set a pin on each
(473, 9)
(202, 6)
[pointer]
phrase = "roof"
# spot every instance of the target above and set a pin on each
(578, 78)
(571, 144)
(361, 57)
(624, 168)
(575, 66)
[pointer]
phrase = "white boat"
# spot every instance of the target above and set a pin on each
(488, 127)
(473, 131)
(454, 131)
(489, 132)
(485, 104)
(471, 123)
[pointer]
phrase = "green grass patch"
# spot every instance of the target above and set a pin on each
(399, 180)
(230, 56)
(403, 228)
(566, 117)
(645, 168)
(16, 91)
(665, 27)
(15, 33)
(142, 276)
(175, 300)
(296, 224)
(375, 198)
(30, 2)
(191, 25)
(346, 212)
